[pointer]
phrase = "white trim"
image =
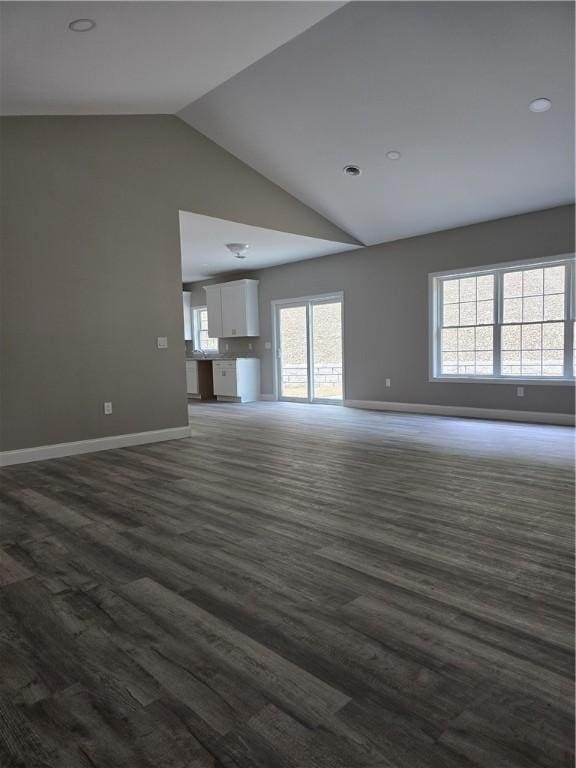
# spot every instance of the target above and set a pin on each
(55, 451)
(505, 265)
(543, 382)
(434, 324)
(322, 298)
(562, 419)
(196, 331)
(327, 297)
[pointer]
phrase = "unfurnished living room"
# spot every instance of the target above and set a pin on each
(287, 368)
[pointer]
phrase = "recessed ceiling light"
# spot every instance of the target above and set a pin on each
(82, 25)
(540, 105)
(393, 155)
(238, 249)
(352, 170)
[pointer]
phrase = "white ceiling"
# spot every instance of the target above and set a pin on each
(447, 84)
(299, 89)
(204, 254)
(151, 57)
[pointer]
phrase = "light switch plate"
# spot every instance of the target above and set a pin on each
(162, 342)
(268, 345)
(107, 409)
(388, 383)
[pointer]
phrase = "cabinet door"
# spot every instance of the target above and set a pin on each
(233, 310)
(214, 308)
(248, 379)
(252, 324)
(224, 379)
(187, 310)
(191, 377)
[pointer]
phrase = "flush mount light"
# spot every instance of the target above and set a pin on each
(238, 249)
(393, 155)
(82, 25)
(352, 170)
(540, 105)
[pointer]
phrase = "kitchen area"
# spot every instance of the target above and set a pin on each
(214, 371)
(293, 353)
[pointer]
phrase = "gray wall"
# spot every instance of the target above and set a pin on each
(386, 308)
(90, 265)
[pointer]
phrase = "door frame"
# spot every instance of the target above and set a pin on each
(321, 298)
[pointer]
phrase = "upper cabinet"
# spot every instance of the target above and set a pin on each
(233, 309)
(187, 310)
(214, 310)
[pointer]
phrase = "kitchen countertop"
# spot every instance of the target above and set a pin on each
(217, 359)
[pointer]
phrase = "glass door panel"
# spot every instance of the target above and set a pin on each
(326, 342)
(293, 352)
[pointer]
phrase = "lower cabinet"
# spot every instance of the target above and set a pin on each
(192, 378)
(237, 380)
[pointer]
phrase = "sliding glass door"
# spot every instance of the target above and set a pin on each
(309, 349)
(293, 352)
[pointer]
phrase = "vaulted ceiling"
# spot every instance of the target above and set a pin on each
(141, 57)
(445, 84)
(299, 90)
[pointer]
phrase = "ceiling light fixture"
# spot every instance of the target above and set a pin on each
(238, 249)
(82, 25)
(352, 170)
(540, 105)
(393, 155)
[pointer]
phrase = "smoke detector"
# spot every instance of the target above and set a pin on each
(82, 25)
(238, 249)
(539, 105)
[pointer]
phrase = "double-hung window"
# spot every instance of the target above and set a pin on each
(503, 323)
(202, 341)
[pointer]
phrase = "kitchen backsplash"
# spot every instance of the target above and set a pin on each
(236, 348)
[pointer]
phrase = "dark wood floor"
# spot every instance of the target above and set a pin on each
(294, 586)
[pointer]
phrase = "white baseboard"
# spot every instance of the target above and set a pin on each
(267, 397)
(562, 419)
(43, 452)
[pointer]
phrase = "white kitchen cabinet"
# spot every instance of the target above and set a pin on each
(225, 378)
(187, 312)
(233, 309)
(192, 378)
(214, 309)
(237, 380)
(233, 298)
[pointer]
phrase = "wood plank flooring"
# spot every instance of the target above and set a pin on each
(293, 587)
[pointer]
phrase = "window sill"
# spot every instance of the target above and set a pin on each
(503, 380)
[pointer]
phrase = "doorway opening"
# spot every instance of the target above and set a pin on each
(308, 344)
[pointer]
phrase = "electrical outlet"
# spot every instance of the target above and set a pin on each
(250, 346)
(226, 347)
(268, 345)
(107, 409)
(162, 342)
(388, 383)
(519, 391)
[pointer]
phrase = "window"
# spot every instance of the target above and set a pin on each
(506, 322)
(201, 339)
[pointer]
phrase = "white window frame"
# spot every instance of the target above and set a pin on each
(435, 280)
(196, 330)
(322, 298)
